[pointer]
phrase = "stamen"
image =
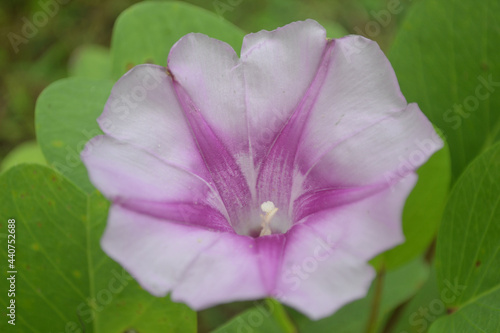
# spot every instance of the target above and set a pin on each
(270, 210)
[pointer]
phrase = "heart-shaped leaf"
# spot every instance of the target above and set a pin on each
(66, 114)
(64, 281)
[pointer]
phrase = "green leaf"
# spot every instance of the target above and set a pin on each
(399, 285)
(468, 248)
(444, 55)
(480, 316)
(64, 281)
(91, 62)
(144, 33)
(28, 152)
(66, 113)
(420, 224)
(268, 317)
(423, 309)
(333, 29)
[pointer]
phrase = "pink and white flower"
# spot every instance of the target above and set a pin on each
(236, 178)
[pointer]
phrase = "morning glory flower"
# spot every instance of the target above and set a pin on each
(278, 173)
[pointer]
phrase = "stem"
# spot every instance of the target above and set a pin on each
(281, 316)
(394, 318)
(430, 252)
(377, 298)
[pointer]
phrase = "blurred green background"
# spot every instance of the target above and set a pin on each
(57, 43)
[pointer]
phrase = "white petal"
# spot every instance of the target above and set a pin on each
(278, 66)
(201, 267)
(324, 265)
(209, 71)
(143, 110)
(122, 171)
(360, 128)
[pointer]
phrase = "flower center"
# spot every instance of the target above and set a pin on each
(269, 211)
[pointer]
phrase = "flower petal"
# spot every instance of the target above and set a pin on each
(383, 152)
(294, 46)
(209, 72)
(361, 126)
(324, 265)
(209, 88)
(279, 66)
(143, 110)
(369, 226)
(200, 267)
(317, 277)
(327, 198)
(226, 271)
(139, 180)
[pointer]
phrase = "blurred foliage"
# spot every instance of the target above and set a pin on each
(44, 54)
(43, 58)
(27, 152)
(451, 66)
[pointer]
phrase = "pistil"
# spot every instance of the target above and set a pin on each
(269, 211)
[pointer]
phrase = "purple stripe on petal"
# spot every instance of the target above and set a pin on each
(269, 251)
(278, 68)
(189, 213)
(275, 178)
(153, 122)
(328, 198)
(226, 173)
